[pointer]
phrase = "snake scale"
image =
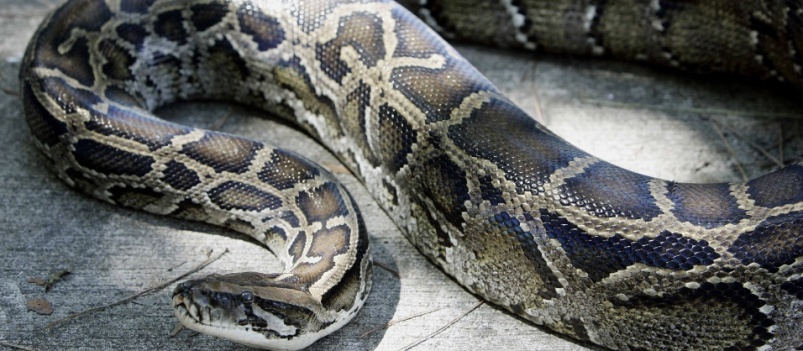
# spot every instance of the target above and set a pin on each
(511, 211)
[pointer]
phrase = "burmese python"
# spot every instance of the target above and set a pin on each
(511, 211)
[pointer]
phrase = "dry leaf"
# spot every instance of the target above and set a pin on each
(40, 306)
(38, 281)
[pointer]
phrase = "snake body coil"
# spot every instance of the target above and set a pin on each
(511, 211)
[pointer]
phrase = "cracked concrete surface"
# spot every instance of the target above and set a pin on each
(658, 122)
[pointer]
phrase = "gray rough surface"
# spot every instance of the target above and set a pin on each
(644, 119)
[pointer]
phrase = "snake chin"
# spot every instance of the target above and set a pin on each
(270, 317)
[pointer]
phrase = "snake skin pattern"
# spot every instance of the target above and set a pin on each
(511, 211)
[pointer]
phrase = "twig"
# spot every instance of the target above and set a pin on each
(780, 145)
(441, 329)
(53, 278)
(730, 150)
(397, 321)
(11, 92)
(176, 329)
(752, 144)
(222, 120)
(707, 111)
(384, 266)
(539, 113)
(18, 347)
(132, 297)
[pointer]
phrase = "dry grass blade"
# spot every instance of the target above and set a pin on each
(17, 347)
(441, 329)
(755, 146)
(704, 111)
(387, 268)
(397, 321)
(132, 297)
(730, 150)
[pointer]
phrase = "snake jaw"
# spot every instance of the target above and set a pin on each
(266, 317)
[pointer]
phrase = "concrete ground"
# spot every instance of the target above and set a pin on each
(661, 123)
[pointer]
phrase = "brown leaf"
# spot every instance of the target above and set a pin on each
(38, 281)
(40, 306)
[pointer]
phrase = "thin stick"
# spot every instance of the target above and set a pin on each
(780, 146)
(384, 266)
(752, 144)
(783, 115)
(441, 329)
(18, 347)
(539, 113)
(176, 329)
(397, 321)
(132, 297)
(222, 120)
(730, 150)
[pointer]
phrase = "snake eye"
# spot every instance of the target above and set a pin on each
(247, 297)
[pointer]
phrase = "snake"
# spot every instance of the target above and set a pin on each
(512, 212)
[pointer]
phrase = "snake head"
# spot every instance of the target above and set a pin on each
(254, 309)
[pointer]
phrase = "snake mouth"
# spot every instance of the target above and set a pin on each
(187, 310)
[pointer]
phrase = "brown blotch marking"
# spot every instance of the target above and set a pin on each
(732, 315)
(396, 138)
(774, 243)
(292, 76)
(361, 31)
(136, 6)
(342, 296)
(502, 133)
(439, 91)
(107, 159)
(415, 38)
(778, 188)
(608, 191)
(42, 124)
(330, 242)
(118, 60)
(225, 61)
(285, 170)
(170, 25)
(353, 117)
(265, 30)
(134, 197)
(190, 210)
(179, 176)
(84, 14)
(132, 33)
(326, 244)
(708, 205)
(236, 195)
(205, 16)
(322, 203)
(444, 183)
(132, 125)
(224, 153)
(296, 249)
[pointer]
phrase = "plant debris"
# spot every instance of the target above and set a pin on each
(40, 306)
(52, 279)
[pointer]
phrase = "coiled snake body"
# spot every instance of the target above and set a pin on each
(511, 211)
